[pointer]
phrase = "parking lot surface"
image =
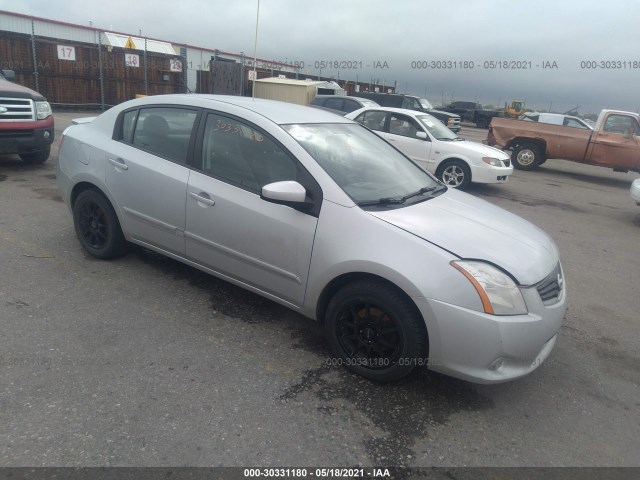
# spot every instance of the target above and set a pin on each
(143, 361)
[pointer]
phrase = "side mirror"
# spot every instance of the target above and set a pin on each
(422, 135)
(288, 193)
(9, 75)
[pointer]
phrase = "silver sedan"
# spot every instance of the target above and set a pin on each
(317, 213)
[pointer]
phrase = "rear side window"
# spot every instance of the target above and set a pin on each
(373, 119)
(163, 131)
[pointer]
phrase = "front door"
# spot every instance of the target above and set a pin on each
(617, 144)
(401, 134)
(229, 228)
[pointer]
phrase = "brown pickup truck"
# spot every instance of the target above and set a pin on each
(613, 143)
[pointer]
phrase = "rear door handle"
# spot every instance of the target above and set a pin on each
(118, 163)
(202, 197)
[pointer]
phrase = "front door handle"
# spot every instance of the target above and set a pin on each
(118, 163)
(202, 197)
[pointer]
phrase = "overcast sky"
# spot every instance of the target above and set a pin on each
(461, 38)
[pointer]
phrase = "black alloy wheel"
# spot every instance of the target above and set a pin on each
(97, 226)
(376, 331)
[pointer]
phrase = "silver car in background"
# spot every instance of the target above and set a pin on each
(318, 213)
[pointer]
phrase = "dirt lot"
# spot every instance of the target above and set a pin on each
(144, 361)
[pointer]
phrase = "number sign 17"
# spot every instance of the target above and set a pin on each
(66, 53)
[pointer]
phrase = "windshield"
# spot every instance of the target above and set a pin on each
(366, 167)
(425, 104)
(436, 128)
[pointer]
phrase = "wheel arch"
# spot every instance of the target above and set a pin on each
(445, 161)
(518, 141)
(346, 278)
(84, 185)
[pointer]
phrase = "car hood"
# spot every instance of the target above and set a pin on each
(476, 148)
(472, 228)
(13, 90)
(450, 114)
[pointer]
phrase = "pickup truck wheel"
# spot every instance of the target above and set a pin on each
(526, 156)
(97, 225)
(454, 173)
(36, 158)
(482, 123)
(376, 331)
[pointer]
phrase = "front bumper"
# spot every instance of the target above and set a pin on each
(489, 174)
(635, 190)
(484, 348)
(25, 140)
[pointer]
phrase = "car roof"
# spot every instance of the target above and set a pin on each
(405, 111)
(276, 111)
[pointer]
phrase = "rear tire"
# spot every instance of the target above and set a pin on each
(97, 226)
(526, 156)
(36, 158)
(376, 331)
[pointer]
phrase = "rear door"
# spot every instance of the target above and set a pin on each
(229, 228)
(146, 173)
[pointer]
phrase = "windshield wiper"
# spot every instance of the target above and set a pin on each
(419, 192)
(444, 139)
(381, 201)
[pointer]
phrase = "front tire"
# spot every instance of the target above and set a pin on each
(455, 174)
(376, 331)
(526, 156)
(36, 158)
(97, 226)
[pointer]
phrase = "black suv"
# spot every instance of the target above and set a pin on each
(451, 120)
(341, 104)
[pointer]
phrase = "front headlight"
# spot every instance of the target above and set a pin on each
(494, 162)
(498, 292)
(43, 110)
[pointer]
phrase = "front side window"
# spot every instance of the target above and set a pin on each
(240, 154)
(425, 104)
(351, 105)
(622, 124)
(410, 103)
(163, 131)
(403, 125)
(365, 166)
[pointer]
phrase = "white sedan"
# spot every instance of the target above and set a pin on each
(635, 190)
(424, 139)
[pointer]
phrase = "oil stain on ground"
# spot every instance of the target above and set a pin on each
(225, 297)
(404, 411)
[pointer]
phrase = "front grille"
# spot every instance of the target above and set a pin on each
(550, 289)
(16, 110)
(507, 163)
